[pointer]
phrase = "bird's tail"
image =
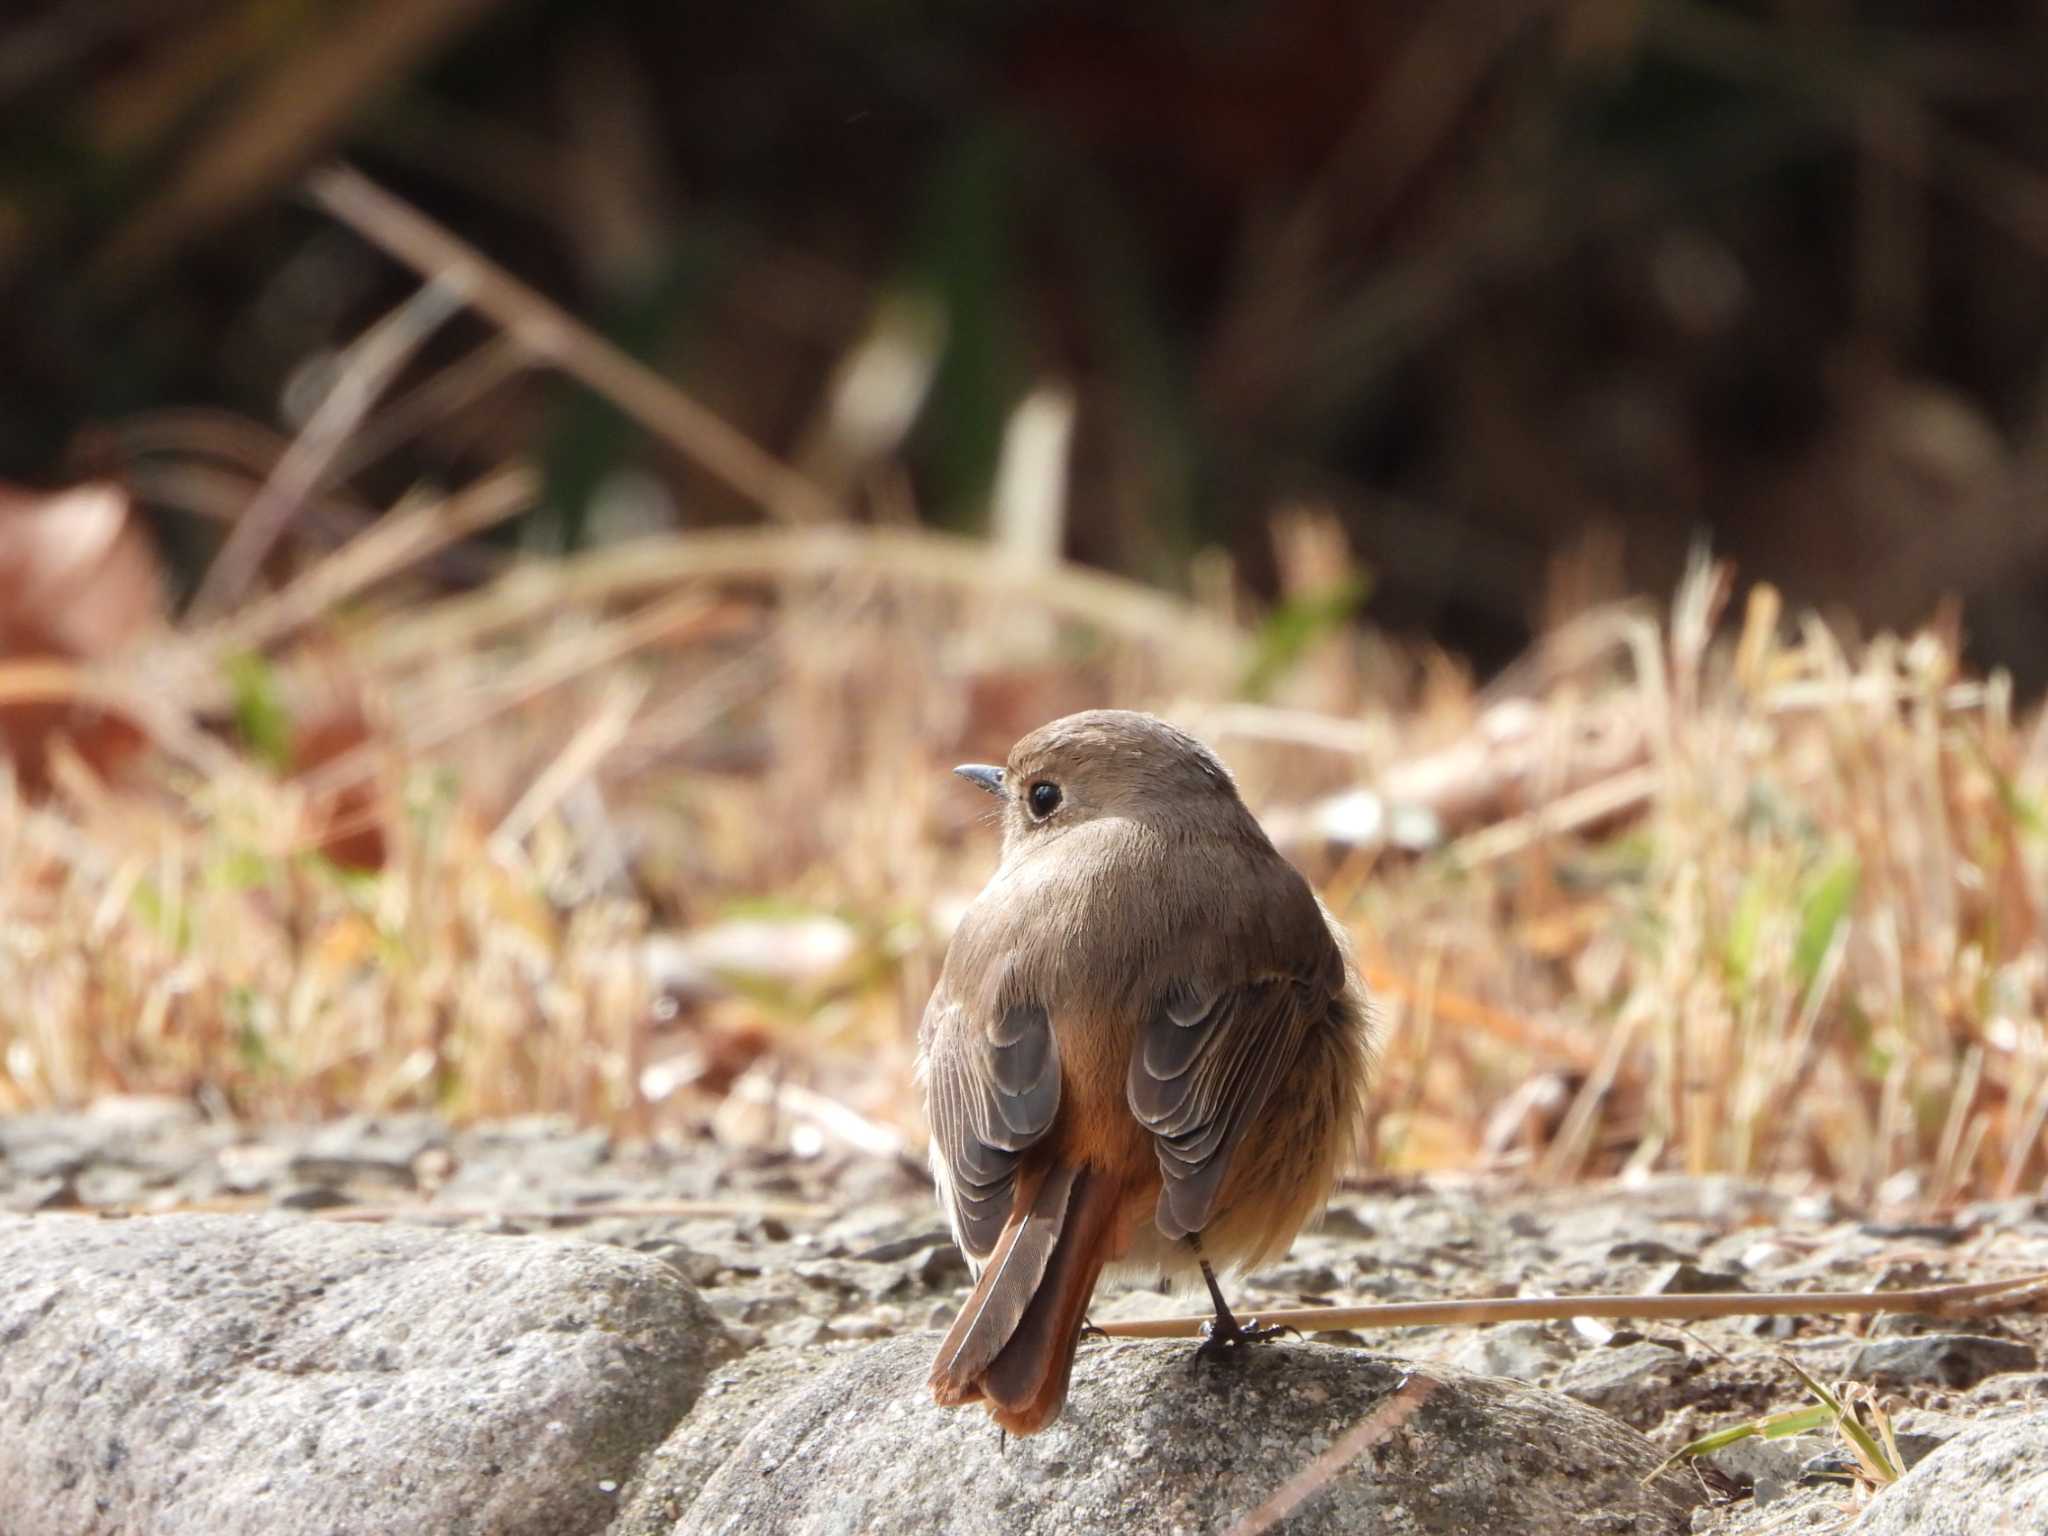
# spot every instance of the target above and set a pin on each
(1013, 1344)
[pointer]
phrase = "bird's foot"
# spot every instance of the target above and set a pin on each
(1092, 1331)
(1223, 1334)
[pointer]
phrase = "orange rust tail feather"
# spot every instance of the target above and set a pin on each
(1008, 1282)
(1016, 1351)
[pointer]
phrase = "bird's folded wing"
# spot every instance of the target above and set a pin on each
(993, 1092)
(1203, 1067)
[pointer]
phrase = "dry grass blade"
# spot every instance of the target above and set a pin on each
(1387, 985)
(1294, 727)
(1568, 813)
(624, 1210)
(1934, 1299)
(549, 332)
(1876, 1445)
(406, 536)
(460, 384)
(358, 380)
(578, 759)
(1111, 604)
(1750, 944)
(548, 670)
(456, 1215)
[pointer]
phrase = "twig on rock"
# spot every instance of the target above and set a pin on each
(1520, 1309)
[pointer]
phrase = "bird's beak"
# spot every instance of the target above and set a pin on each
(982, 776)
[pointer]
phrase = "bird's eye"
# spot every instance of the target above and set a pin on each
(1045, 799)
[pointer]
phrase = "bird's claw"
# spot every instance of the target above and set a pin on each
(1221, 1336)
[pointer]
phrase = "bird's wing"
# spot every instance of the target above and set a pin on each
(1203, 1067)
(993, 1092)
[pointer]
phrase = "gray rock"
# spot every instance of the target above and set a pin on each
(142, 1116)
(1992, 1478)
(337, 1170)
(1916, 1448)
(1914, 1231)
(1632, 1382)
(1819, 1210)
(1900, 1325)
(250, 1166)
(904, 1247)
(736, 1396)
(2004, 1215)
(390, 1141)
(1939, 1359)
(1522, 1351)
(33, 1151)
(545, 1145)
(1647, 1250)
(1296, 1279)
(309, 1197)
(1343, 1221)
(1686, 1279)
(1927, 1429)
(1827, 1356)
(1152, 1442)
(1767, 1467)
(232, 1374)
(2021, 1387)
(52, 1192)
(115, 1184)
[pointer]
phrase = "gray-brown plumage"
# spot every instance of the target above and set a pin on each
(1147, 1049)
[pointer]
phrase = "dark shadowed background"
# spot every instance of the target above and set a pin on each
(1533, 295)
(509, 510)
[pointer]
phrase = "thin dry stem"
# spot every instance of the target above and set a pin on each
(2016, 1291)
(549, 332)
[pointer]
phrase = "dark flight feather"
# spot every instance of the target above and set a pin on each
(1200, 1076)
(985, 1114)
(986, 1324)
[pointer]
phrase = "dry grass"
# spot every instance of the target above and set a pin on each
(1708, 889)
(1807, 939)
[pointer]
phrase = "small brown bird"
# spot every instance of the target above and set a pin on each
(1148, 1049)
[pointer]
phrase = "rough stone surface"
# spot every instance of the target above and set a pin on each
(1991, 1478)
(1152, 1441)
(1690, 1280)
(1768, 1468)
(1942, 1359)
(808, 1250)
(1630, 1382)
(738, 1395)
(2022, 1387)
(229, 1374)
(1523, 1351)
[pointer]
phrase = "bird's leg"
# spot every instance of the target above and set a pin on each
(1222, 1334)
(1090, 1330)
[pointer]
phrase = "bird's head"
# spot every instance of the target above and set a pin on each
(1104, 763)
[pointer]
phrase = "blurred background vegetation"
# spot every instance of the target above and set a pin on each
(1506, 283)
(508, 508)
